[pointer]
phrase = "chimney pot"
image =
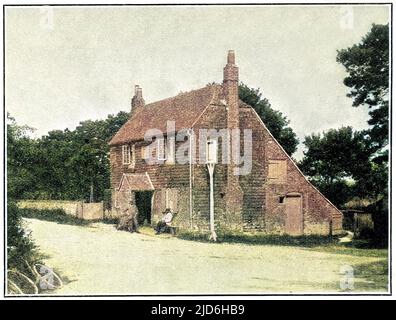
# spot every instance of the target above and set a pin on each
(230, 69)
(139, 93)
(231, 57)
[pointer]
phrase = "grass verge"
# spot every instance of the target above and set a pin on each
(261, 239)
(54, 215)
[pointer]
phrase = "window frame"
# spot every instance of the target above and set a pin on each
(164, 153)
(132, 156)
(126, 154)
(281, 177)
(209, 159)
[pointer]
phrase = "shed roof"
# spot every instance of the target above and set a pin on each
(135, 182)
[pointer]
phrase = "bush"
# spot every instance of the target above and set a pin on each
(20, 247)
(366, 234)
(380, 213)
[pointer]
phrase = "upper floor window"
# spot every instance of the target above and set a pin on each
(211, 151)
(133, 158)
(126, 154)
(277, 171)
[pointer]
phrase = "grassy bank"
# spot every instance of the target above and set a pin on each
(60, 216)
(54, 215)
(261, 239)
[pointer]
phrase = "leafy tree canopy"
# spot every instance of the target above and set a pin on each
(367, 65)
(335, 154)
(339, 163)
(62, 164)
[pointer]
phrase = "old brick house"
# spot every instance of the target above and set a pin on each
(274, 197)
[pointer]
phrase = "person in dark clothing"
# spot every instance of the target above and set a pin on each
(128, 221)
(165, 222)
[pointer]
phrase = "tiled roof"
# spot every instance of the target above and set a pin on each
(135, 182)
(184, 109)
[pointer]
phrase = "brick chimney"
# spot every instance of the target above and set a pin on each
(234, 193)
(230, 87)
(137, 100)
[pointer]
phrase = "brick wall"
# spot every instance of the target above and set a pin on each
(215, 117)
(319, 215)
(253, 185)
(174, 177)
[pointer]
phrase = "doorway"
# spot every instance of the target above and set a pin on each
(294, 215)
(143, 204)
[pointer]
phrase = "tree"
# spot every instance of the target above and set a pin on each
(336, 161)
(21, 153)
(276, 123)
(335, 154)
(62, 164)
(20, 248)
(80, 157)
(367, 64)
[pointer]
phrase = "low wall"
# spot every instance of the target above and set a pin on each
(92, 211)
(79, 209)
(112, 213)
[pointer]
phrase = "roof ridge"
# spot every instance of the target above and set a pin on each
(183, 108)
(211, 85)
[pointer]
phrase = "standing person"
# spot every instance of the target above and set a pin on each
(165, 222)
(128, 221)
(135, 224)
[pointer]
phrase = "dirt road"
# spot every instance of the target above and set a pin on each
(98, 259)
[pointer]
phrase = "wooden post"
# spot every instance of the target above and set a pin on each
(91, 199)
(191, 177)
(213, 235)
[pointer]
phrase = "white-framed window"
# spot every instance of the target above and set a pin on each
(211, 151)
(126, 154)
(133, 157)
(161, 149)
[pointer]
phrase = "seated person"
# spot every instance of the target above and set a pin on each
(165, 222)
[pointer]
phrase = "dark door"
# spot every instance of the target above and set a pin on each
(143, 204)
(294, 217)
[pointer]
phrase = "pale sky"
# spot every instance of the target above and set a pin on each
(78, 63)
